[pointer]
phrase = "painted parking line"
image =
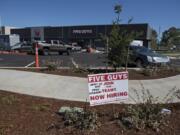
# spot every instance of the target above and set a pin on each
(30, 64)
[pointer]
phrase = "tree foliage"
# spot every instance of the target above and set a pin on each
(154, 41)
(170, 37)
(119, 41)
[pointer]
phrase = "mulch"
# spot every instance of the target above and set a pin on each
(28, 115)
(133, 74)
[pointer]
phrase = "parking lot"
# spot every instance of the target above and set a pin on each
(82, 59)
(92, 60)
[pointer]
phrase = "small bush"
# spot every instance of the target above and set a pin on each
(41, 107)
(85, 120)
(80, 70)
(143, 116)
(2, 132)
(51, 67)
(149, 72)
(177, 94)
(8, 100)
(146, 113)
(52, 64)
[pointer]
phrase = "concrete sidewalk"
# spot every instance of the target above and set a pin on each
(74, 88)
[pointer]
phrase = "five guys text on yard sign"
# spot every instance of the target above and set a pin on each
(107, 88)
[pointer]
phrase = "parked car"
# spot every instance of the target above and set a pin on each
(45, 48)
(23, 47)
(76, 47)
(144, 57)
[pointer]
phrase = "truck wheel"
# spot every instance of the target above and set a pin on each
(45, 52)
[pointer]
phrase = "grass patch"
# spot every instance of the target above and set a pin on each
(41, 107)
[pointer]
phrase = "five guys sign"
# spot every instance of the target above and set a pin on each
(107, 88)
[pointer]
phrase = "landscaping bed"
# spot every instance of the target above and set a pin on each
(28, 115)
(142, 74)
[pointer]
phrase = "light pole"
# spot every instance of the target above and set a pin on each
(0, 26)
(159, 35)
(107, 51)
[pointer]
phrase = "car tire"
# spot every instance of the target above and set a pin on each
(139, 63)
(45, 52)
(60, 53)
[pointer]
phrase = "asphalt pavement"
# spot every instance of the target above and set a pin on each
(81, 59)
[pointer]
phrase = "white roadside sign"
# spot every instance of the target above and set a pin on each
(107, 88)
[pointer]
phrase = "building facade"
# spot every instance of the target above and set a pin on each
(7, 41)
(83, 35)
(5, 30)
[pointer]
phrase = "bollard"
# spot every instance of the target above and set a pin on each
(36, 56)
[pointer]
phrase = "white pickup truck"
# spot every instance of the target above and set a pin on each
(45, 48)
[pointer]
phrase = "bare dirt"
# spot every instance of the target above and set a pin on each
(133, 74)
(28, 115)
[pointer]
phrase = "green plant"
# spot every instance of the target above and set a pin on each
(149, 72)
(170, 37)
(118, 41)
(8, 100)
(2, 132)
(143, 116)
(80, 70)
(41, 107)
(85, 120)
(146, 113)
(177, 94)
(51, 67)
(52, 64)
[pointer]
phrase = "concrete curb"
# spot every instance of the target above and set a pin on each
(174, 58)
(12, 53)
(91, 68)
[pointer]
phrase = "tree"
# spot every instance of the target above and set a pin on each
(154, 40)
(170, 37)
(119, 41)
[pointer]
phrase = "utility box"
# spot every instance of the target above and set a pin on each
(7, 41)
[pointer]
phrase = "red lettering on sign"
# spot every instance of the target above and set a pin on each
(96, 97)
(109, 90)
(107, 77)
(119, 94)
(108, 83)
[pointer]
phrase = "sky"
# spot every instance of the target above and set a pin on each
(159, 14)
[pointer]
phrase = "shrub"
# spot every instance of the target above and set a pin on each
(2, 132)
(146, 113)
(51, 67)
(150, 71)
(85, 120)
(8, 100)
(80, 70)
(41, 107)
